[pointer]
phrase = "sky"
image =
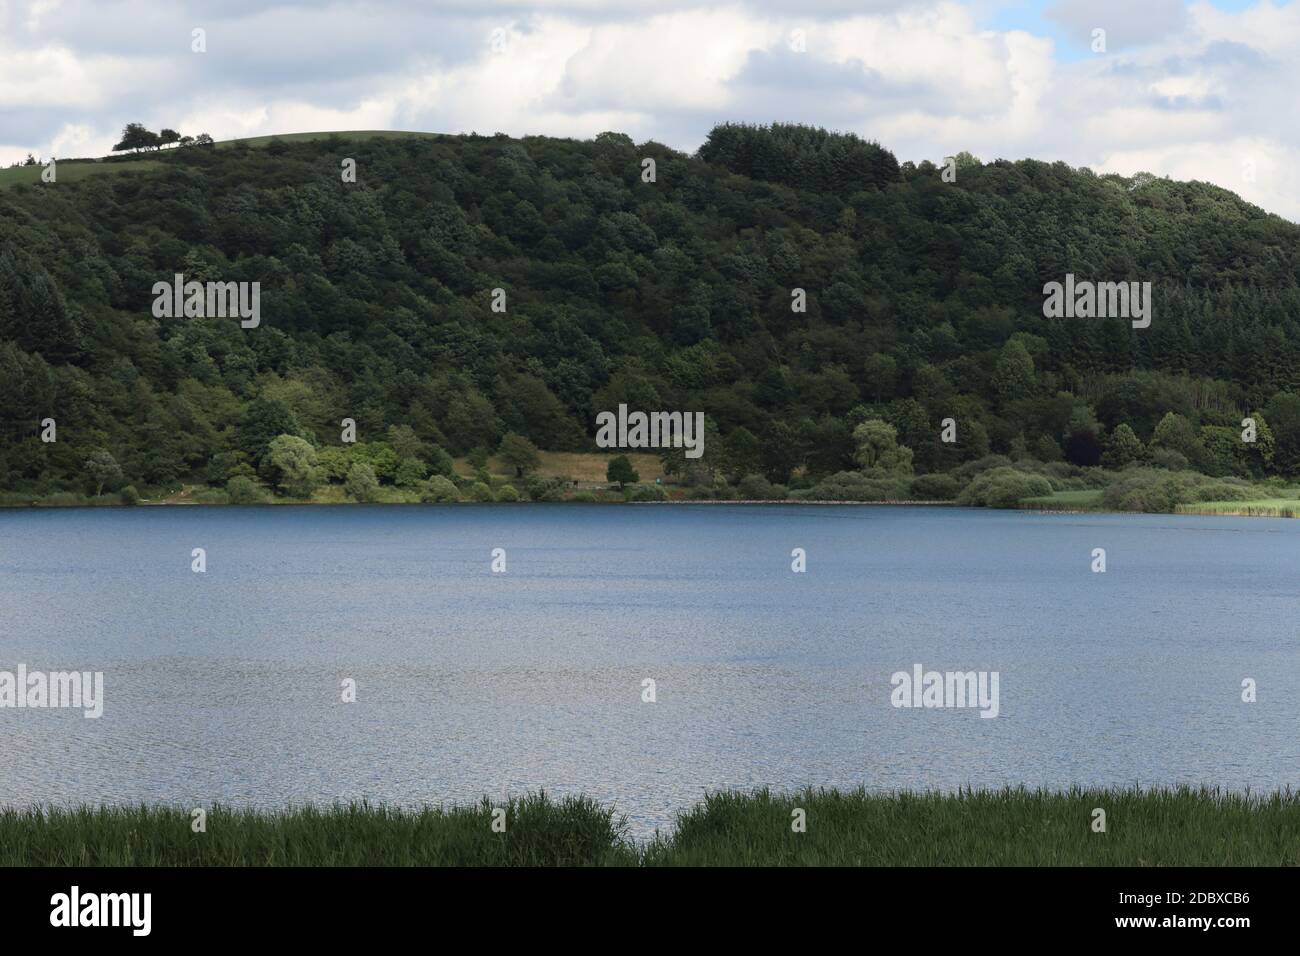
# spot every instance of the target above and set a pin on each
(1192, 90)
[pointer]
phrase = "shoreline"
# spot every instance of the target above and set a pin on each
(1183, 510)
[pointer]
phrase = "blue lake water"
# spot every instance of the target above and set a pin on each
(226, 685)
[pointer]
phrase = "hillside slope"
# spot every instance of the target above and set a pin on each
(924, 300)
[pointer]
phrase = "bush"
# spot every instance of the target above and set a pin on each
(410, 472)
(1150, 490)
(1069, 484)
(129, 496)
(439, 489)
(987, 463)
(63, 499)
(754, 488)
(479, 491)
(362, 484)
(648, 493)
(855, 486)
(507, 493)
(1061, 470)
(1168, 459)
(586, 497)
(440, 462)
(544, 489)
(242, 490)
(1223, 491)
(1004, 488)
(332, 461)
(936, 487)
(1097, 478)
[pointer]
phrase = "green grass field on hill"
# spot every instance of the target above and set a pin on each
(357, 134)
(77, 170)
(1182, 827)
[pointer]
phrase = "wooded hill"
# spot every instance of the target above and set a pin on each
(924, 302)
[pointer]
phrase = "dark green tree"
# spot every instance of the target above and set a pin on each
(519, 453)
(620, 470)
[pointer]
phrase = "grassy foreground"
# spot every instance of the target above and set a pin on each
(1180, 827)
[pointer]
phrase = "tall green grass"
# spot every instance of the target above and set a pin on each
(1085, 500)
(1258, 508)
(539, 831)
(1019, 827)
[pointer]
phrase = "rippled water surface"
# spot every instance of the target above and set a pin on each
(225, 686)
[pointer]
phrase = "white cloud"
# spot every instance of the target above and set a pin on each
(1184, 90)
(53, 76)
(676, 61)
(72, 140)
(1127, 23)
(1265, 26)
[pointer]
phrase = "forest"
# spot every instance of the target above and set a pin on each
(852, 327)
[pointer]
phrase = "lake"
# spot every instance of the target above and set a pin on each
(226, 686)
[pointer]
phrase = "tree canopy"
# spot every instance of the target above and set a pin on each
(922, 303)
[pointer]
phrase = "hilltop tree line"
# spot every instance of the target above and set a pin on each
(923, 304)
(137, 138)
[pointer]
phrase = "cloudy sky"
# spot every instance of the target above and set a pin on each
(1193, 90)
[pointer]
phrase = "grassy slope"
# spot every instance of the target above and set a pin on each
(1016, 827)
(349, 134)
(72, 171)
(75, 170)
